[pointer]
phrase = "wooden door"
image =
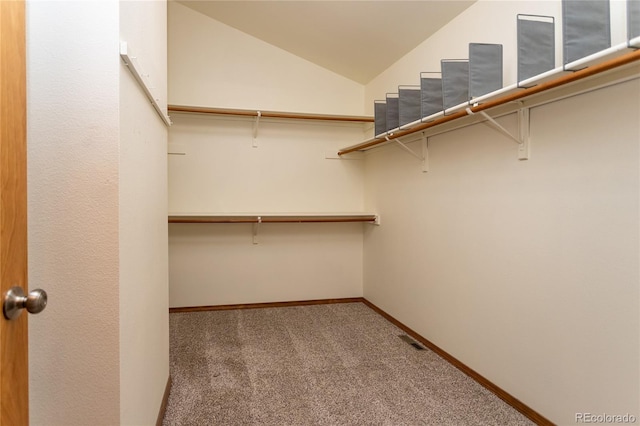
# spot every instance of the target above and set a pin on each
(14, 379)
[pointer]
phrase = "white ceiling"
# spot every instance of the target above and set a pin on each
(357, 39)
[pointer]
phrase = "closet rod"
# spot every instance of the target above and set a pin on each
(542, 87)
(273, 219)
(269, 114)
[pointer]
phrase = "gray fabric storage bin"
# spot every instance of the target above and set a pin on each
(586, 28)
(485, 68)
(380, 117)
(633, 19)
(536, 45)
(455, 82)
(430, 94)
(392, 111)
(409, 104)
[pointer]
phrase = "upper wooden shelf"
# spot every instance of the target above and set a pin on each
(269, 114)
(273, 218)
(516, 95)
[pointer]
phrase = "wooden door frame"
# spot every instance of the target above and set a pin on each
(14, 379)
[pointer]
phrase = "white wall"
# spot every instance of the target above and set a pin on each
(73, 133)
(221, 172)
(217, 264)
(287, 172)
(144, 283)
(528, 272)
(97, 215)
(212, 64)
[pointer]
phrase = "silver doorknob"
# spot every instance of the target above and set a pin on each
(15, 301)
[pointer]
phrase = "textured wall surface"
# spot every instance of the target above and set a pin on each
(73, 135)
(97, 214)
(525, 271)
(221, 171)
(144, 283)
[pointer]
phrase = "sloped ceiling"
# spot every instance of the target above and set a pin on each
(356, 39)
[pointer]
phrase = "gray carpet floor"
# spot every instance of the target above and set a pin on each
(337, 364)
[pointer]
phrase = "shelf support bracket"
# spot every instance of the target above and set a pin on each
(256, 227)
(406, 148)
(425, 153)
(255, 129)
(424, 158)
(523, 130)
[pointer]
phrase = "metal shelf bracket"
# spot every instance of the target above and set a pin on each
(424, 158)
(255, 129)
(523, 130)
(256, 227)
(425, 153)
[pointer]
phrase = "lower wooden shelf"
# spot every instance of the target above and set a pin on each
(273, 218)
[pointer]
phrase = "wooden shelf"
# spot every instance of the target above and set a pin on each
(268, 114)
(614, 58)
(274, 218)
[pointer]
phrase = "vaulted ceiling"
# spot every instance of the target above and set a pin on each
(356, 39)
